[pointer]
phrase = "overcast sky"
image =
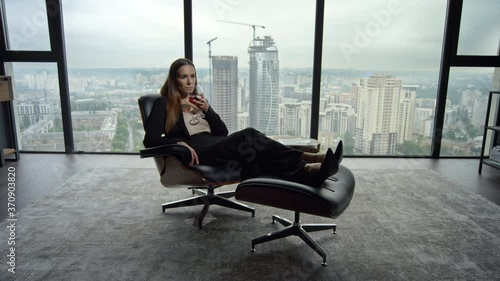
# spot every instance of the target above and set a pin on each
(359, 34)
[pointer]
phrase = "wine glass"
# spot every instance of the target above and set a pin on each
(197, 92)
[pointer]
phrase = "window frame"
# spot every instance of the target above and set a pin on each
(449, 58)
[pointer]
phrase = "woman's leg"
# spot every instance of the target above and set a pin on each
(313, 157)
(318, 158)
(255, 153)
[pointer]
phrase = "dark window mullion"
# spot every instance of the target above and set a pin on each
(318, 52)
(449, 52)
(476, 61)
(29, 56)
(56, 33)
(188, 29)
(4, 41)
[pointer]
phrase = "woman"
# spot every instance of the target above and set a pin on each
(177, 119)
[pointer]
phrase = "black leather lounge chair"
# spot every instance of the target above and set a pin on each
(172, 162)
(330, 200)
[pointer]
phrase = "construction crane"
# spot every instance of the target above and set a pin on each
(247, 24)
(209, 43)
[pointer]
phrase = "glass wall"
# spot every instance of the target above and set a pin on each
(479, 28)
(37, 106)
(27, 25)
(466, 111)
(117, 51)
(379, 82)
(254, 60)
(380, 75)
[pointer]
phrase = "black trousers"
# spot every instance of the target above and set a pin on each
(250, 152)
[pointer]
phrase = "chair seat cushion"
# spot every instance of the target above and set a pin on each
(329, 201)
(216, 175)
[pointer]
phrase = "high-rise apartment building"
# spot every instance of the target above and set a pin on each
(339, 119)
(450, 116)
(305, 117)
(31, 112)
(406, 113)
(479, 110)
(290, 121)
(378, 109)
(468, 97)
(474, 102)
(426, 127)
(224, 98)
(422, 114)
(295, 118)
(264, 85)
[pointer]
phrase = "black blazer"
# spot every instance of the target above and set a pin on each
(155, 126)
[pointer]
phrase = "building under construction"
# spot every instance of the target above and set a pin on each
(264, 85)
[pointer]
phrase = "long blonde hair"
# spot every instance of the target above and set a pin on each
(170, 90)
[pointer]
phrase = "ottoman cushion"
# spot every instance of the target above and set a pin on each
(329, 201)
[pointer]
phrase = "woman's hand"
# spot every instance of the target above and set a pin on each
(201, 103)
(194, 156)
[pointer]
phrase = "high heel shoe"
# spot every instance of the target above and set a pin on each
(339, 152)
(318, 158)
(315, 176)
(329, 167)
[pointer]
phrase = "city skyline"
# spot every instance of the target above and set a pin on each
(106, 98)
(367, 35)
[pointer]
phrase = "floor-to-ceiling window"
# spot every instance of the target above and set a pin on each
(380, 69)
(468, 87)
(465, 113)
(26, 25)
(380, 73)
(479, 28)
(117, 51)
(37, 106)
(255, 62)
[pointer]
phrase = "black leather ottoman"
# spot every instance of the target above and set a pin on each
(330, 201)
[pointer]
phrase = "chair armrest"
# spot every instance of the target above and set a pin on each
(181, 152)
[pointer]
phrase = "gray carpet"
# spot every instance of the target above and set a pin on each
(107, 224)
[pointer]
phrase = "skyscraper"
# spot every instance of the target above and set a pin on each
(378, 109)
(479, 110)
(264, 85)
(406, 113)
(339, 119)
(290, 121)
(224, 98)
(422, 114)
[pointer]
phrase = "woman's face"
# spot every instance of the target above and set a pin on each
(186, 80)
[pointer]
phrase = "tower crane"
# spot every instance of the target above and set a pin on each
(209, 43)
(246, 24)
